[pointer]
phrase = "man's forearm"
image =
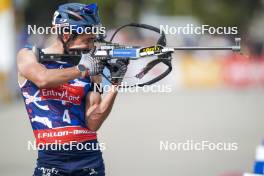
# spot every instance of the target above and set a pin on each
(29, 68)
(108, 101)
(56, 77)
(101, 111)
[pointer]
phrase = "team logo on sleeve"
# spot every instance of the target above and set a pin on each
(34, 99)
(66, 92)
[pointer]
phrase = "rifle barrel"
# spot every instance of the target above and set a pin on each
(207, 48)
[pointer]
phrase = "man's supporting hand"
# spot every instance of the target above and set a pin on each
(119, 71)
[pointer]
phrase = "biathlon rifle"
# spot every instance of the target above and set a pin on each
(110, 51)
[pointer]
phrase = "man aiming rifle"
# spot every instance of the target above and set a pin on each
(60, 100)
(59, 85)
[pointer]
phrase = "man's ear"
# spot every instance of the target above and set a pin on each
(66, 37)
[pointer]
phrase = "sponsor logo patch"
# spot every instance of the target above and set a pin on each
(66, 92)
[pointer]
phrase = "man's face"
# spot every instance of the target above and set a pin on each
(83, 41)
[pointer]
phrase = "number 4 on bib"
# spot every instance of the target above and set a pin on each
(66, 116)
